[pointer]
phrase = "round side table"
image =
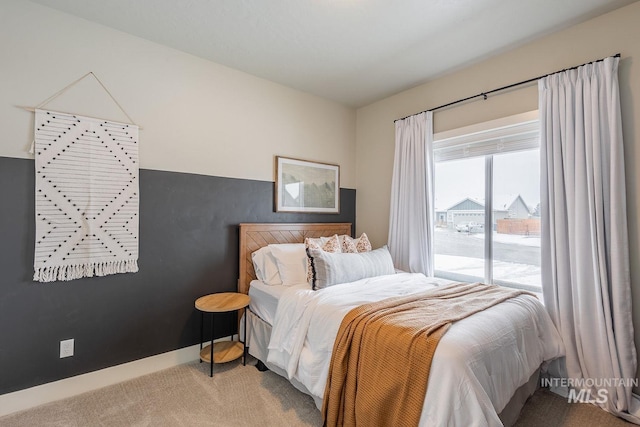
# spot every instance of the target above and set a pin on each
(223, 351)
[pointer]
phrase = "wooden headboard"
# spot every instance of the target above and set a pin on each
(255, 236)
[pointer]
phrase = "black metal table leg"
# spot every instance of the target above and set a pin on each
(212, 316)
(201, 330)
(244, 341)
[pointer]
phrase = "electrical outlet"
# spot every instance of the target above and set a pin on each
(66, 348)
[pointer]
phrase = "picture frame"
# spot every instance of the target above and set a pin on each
(306, 186)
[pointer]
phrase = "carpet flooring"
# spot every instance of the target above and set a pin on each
(240, 396)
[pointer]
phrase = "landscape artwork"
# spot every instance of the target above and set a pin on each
(304, 186)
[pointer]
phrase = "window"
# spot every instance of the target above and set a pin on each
(487, 186)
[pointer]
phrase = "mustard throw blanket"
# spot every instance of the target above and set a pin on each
(382, 355)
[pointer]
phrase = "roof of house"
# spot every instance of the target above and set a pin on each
(503, 203)
(466, 204)
(507, 201)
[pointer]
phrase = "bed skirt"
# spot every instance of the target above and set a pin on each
(259, 333)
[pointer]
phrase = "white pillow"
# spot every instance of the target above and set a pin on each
(265, 266)
(291, 259)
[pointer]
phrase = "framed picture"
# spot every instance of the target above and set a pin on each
(303, 186)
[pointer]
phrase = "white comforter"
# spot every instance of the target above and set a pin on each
(478, 364)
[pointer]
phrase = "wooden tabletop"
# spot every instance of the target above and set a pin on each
(222, 302)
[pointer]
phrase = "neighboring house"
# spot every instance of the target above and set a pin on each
(469, 210)
(520, 219)
(515, 207)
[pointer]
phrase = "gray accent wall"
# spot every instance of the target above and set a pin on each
(188, 248)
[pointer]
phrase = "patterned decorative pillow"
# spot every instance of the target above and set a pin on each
(352, 246)
(331, 244)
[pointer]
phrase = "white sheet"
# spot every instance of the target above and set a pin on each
(478, 364)
(264, 298)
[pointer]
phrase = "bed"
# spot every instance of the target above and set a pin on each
(483, 369)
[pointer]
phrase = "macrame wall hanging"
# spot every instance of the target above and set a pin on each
(87, 196)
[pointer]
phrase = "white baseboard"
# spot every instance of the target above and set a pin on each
(562, 391)
(45, 393)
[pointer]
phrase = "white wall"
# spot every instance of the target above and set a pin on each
(197, 116)
(618, 31)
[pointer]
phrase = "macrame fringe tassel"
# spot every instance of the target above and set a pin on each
(71, 272)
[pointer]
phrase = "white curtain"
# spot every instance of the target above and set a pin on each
(411, 211)
(585, 250)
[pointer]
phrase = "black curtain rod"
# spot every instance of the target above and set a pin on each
(484, 94)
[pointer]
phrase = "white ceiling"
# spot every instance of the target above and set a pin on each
(351, 51)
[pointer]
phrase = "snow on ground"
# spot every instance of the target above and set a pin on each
(509, 271)
(513, 239)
